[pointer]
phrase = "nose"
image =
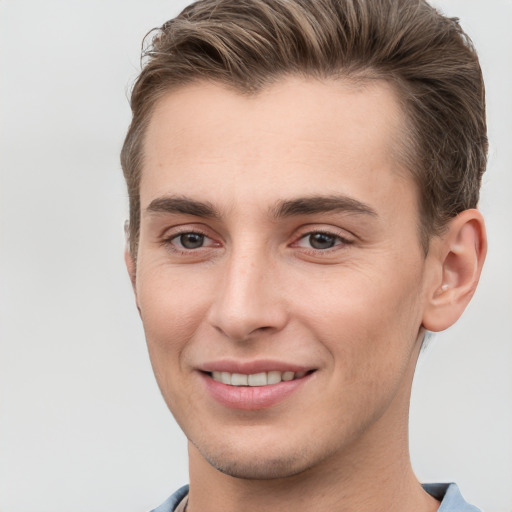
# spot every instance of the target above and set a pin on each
(249, 299)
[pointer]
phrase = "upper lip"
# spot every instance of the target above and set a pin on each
(252, 367)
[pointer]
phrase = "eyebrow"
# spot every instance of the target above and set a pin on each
(289, 208)
(183, 205)
(321, 204)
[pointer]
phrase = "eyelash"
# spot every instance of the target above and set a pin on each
(338, 241)
(169, 241)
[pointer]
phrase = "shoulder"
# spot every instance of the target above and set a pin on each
(170, 504)
(450, 497)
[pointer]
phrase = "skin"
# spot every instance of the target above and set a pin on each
(257, 289)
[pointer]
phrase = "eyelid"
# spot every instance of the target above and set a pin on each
(171, 233)
(177, 236)
(342, 242)
(342, 234)
(336, 238)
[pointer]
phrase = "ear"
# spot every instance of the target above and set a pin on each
(128, 257)
(457, 258)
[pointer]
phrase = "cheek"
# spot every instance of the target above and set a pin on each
(369, 332)
(171, 311)
(368, 323)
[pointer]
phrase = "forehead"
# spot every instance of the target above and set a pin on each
(293, 137)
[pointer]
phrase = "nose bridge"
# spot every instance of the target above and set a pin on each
(248, 299)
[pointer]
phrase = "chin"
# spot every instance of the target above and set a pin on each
(266, 465)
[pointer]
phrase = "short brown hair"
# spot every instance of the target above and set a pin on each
(248, 44)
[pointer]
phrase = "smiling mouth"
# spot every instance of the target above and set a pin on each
(257, 379)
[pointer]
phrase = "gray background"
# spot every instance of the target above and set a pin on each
(82, 425)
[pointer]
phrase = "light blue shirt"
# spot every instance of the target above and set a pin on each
(450, 497)
(448, 494)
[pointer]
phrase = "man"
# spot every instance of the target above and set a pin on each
(303, 177)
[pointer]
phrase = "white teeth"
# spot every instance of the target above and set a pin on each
(256, 379)
(273, 377)
(238, 379)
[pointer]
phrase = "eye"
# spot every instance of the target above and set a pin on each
(321, 241)
(190, 244)
(190, 240)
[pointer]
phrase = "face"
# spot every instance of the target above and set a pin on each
(280, 276)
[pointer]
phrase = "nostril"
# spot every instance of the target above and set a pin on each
(265, 328)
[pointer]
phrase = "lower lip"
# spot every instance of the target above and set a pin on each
(250, 398)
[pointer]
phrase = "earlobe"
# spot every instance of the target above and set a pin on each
(458, 255)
